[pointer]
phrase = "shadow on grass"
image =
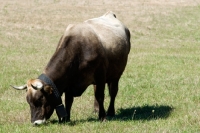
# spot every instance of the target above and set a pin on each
(145, 112)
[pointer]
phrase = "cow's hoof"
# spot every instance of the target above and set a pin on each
(103, 120)
(64, 120)
(111, 113)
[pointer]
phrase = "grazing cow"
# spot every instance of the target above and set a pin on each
(93, 52)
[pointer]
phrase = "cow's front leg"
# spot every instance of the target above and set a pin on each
(68, 104)
(99, 95)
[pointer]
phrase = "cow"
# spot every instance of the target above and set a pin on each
(93, 52)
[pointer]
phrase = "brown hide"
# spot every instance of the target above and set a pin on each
(93, 52)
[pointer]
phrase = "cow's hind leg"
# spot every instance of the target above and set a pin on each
(96, 105)
(99, 95)
(113, 89)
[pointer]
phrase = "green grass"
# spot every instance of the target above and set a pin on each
(159, 90)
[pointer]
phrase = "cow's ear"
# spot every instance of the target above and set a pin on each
(48, 89)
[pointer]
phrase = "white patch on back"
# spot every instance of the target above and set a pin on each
(111, 33)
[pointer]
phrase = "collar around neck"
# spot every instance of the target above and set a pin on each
(48, 81)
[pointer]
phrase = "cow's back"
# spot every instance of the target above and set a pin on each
(115, 38)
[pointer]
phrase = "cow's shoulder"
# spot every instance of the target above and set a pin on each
(79, 36)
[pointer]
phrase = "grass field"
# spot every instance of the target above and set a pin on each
(159, 90)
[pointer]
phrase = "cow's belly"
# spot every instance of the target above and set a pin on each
(79, 86)
(78, 92)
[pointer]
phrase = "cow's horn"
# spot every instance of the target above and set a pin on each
(38, 86)
(19, 87)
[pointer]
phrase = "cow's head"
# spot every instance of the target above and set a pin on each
(40, 98)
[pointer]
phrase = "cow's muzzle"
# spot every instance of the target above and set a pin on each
(39, 122)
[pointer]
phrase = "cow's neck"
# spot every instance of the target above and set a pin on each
(59, 77)
(57, 80)
(63, 65)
